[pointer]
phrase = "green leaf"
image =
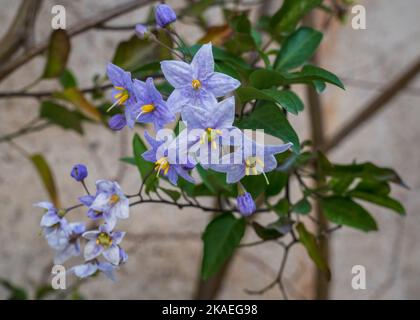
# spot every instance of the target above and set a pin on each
(339, 186)
(284, 21)
(286, 98)
(76, 97)
(146, 168)
(255, 185)
(67, 79)
(342, 210)
(282, 207)
(58, 53)
(380, 200)
(16, 292)
(129, 160)
(266, 233)
(266, 78)
(303, 206)
(366, 171)
(310, 243)
(214, 181)
(221, 237)
(173, 194)
(267, 116)
(298, 48)
(62, 117)
(277, 180)
(46, 176)
(373, 186)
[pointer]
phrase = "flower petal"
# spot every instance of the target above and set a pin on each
(112, 254)
(117, 237)
(84, 270)
(221, 84)
(92, 250)
(223, 113)
(49, 219)
(235, 174)
(203, 62)
(177, 73)
(177, 100)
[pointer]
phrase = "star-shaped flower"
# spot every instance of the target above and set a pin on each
(105, 242)
(150, 106)
(196, 83)
(72, 249)
(123, 91)
(250, 159)
(212, 127)
(166, 163)
(109, 203)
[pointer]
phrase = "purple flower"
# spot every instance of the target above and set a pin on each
(90, 268)
(196, 83)
(123, 92)
(72, 249)
(150, 105)
(105, 242)
(250, 159)
(109, 203)
(79, 172)
(166, 162)
(141, 30)
(164, 15)
(117, 122)
(215, 127)
(54, 226)
(246, 204)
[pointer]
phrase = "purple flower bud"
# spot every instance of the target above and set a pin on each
(79, 172)
(141, 30)
(117, 122)
(164, 15)
(246, 204)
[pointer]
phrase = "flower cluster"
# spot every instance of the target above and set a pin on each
(104, 208)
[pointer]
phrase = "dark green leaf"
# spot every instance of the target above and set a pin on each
(214, 181)
(281, 207)
(284, 21)
(266, 233)
(302, 206)
(286, 98)
(173, 194)
(277, 180)
(129, 160)
(67, 79)
(267, 116)
(58, 53)
(380, 200)
(62, 117)
(221, 237)
(298, 48)
(373, 186)
(344, 211)
(266, 78)
(310, 243)
(43, 291)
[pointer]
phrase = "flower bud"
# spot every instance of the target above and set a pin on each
(79, 172)
(246, 204)
(164, 15)
(117, 122)
(141, 31)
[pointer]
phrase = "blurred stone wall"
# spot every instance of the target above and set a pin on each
(161, 266)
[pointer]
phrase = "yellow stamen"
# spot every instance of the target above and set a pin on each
(120, 98)
(162, 164)
(255, 166)
(147, 108)
(104, 240)
(114, 199)
(196, 84)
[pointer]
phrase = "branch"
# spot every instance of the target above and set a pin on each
(78, 28)
(31, 127)
(377, 104)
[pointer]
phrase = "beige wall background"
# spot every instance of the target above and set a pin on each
(163, 266)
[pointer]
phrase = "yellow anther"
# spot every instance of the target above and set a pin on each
(162, 164)
(120, 98)
(104, 240)
(114, 199)
(196, 84)
(147, 108)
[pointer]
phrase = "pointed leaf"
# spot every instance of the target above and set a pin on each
(46, 176)
(58, 53)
